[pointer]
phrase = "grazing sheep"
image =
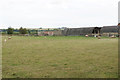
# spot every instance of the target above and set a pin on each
(9, 37)
(5, 40)
(86, 35)
(112, 36)
(94, 35)
(99, 37)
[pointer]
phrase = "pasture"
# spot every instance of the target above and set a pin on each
(59, 57)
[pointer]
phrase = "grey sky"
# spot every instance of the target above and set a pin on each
(58, 13)
(119, 12)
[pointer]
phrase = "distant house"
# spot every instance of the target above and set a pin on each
(50, 32)
(45, 33)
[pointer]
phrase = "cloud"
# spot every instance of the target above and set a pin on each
(55, 13)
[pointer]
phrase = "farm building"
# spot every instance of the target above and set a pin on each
(50, 32)
(109, 30)
(81, 31)
(91, 31)
(103, 31)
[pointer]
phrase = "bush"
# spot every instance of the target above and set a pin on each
(10, 30)
(23, 30)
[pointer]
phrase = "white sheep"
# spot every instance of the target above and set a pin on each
(86, 35)
(5, 40)
(9, 37)
(113, 36)
(99, 37)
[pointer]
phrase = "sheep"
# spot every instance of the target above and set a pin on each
(86, 35)
(94, 35)
(5, 40)
(112, 36)
(9, 38)
(99, 37)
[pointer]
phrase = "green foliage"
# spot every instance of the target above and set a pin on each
(36, 31)
(10, 30)
(48, 29)
(29, 32)
(23, 30)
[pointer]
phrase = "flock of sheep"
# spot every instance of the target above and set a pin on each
(46, 37)
(8, 39)
(99, 37)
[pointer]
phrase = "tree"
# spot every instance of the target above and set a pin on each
(40, 28)
(36, 31)
(29, 31)
(48, 29)
(23, 30)
(20, 30)
(10, 30)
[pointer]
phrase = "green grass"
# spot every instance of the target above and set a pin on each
(60, 57)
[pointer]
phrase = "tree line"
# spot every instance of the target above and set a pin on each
(21, 30)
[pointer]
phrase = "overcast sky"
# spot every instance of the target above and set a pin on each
(58, 13)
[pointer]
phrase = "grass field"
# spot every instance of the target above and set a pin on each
(60, 57)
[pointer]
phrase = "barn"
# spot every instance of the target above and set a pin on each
(91, 31)
(109, 31)
(81, 31)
